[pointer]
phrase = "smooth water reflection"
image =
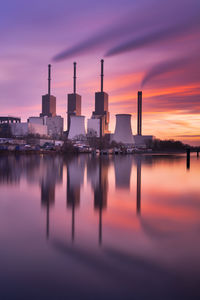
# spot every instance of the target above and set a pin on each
(119, 227)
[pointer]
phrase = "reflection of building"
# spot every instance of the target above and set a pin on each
(48, 180)
(47, 200)
(10, 170)
(123, 166)
(75, 176)
(98, 174)
(138, 185)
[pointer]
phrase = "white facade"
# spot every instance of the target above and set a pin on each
(123, 132)
(93, 127)
(23, 129)
(54, 124)
(77, 127)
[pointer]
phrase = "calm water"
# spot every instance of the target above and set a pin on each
(123, 227)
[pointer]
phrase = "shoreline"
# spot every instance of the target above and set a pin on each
(52, 152)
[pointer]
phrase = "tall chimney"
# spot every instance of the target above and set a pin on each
(74, 77)
(49, 80)
(102, 61)
(139, 117)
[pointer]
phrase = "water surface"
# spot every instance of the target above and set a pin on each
(83, 227)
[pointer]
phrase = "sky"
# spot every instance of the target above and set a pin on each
(147, 45)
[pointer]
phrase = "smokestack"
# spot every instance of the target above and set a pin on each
(74, 77)
(49, 80)
(102, 61)
(139, 118)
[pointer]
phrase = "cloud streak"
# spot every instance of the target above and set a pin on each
(173, 19)
(156, 36)
(170, 65)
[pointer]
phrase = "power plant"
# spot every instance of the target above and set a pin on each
(51, 125)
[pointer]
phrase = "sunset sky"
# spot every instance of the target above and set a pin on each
(148, 45)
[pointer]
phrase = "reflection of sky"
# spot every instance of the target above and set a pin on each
(160, 242)
(163, 43)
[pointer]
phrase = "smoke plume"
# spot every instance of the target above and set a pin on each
(163, 35)
(169, 66)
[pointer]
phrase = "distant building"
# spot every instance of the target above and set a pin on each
(77, 127)
(24, 129)
(48, 117)
(8, 120)
(54, 124)
(48, 100)
(93, 127)
(48, 106)
(5, 130)
(101, 107)
(73, 107)
(74, 103)
(142, 141)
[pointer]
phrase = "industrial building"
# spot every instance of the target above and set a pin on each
(25, 128)
(9, 120)
(74, 102)
(5, 122)
(101, 108)
(54, 124)
(93, 127)
(48, 100)
(75, 122)
(48, 117)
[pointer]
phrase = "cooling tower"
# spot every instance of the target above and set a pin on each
(123, 131)
(77, 127)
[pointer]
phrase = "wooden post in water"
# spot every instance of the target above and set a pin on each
(188, 158)
(197, 153)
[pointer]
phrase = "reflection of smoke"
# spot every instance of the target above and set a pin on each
(155, 37)
(168, 66)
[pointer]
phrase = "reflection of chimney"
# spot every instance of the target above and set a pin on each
(49, 80)
(47, 200)
(138, 186)
(139, 120)
(102, 61)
